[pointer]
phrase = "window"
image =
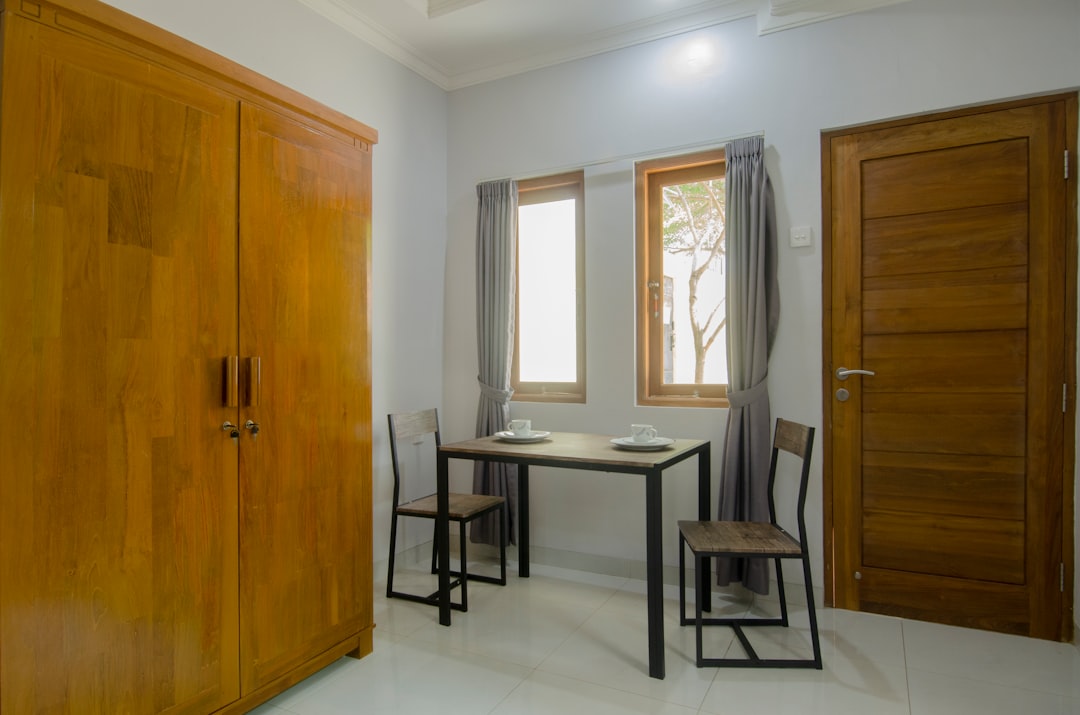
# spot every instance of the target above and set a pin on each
(549, 339)
(681, 340)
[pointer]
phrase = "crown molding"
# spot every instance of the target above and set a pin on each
(381, 39)
(772, 16)
(616, 38)
(781, 15)
(438, 8)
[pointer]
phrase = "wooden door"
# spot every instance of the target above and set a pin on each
(305, 530)
(950, 266)
(118, 543)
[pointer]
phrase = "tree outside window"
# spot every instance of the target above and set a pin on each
(682, 355)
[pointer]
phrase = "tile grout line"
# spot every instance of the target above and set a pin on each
(534, 669)
(907, 670)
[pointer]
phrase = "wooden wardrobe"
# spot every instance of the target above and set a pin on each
(185, 400)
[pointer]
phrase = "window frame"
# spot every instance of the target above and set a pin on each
(649, 178)
(540, 190)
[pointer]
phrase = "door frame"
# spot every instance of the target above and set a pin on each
(1068, 476)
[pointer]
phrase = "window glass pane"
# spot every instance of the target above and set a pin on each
(547, 291)
(694, 343)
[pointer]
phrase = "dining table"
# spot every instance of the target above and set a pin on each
(588, 452)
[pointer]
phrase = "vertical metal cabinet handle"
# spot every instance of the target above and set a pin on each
(842, 373)
(232, 381)
(254, 386)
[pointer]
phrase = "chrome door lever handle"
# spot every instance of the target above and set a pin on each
(843, 372)
(253, 426)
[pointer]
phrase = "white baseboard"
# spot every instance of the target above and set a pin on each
(590, 563)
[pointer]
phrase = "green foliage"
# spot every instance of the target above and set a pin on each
(694, 218)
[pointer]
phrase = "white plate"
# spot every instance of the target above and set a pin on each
(511, 437)
(653, 444)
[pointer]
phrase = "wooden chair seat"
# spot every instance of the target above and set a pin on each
(463, 509)
(462, 506)
(711, 539)
(738, 538)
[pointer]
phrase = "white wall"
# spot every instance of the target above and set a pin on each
(601, 113)
(287, 42)
(914, 57)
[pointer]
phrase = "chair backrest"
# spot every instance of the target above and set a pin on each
(798, 440)
(406, 425)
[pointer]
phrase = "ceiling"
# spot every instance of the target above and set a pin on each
(457, 43)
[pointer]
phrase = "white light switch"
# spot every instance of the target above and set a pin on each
(801, 236)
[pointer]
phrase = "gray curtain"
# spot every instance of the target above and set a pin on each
(753, 310)
(496, 276)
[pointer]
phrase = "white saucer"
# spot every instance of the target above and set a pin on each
(652, 445)
(533, 437)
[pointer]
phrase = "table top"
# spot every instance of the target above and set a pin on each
(574, 448)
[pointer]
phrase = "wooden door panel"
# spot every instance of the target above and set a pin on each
(945, 179)
(931, 434)
(960, 301)
(909, 482)
(118, 301)
(946, 464)
(985, 361)
(971, 603)
(962, 239)
(933, 422)
(946, 545)
(305, 545)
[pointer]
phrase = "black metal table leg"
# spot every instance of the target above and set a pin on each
(654, 571)
(704, 595)
(442, 529)
(523, 520)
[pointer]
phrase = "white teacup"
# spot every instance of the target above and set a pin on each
(642, 433)
(521, 428)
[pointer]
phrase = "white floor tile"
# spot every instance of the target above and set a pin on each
(522, 623)
(847, 635)
(1013, 661)
(269, 709)
(567, 642)
(545, 693)
(611, 649)
(412, 677)
(855, 636)
(839, 689)
(937, 694)
(311, 685)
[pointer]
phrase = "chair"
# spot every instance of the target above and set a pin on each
(463, 509)
(709, 539)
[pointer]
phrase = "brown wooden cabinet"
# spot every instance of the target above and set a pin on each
(182, 244)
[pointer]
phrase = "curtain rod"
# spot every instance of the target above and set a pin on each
(640, 156)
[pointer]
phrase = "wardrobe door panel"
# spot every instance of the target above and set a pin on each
(118, 495)
(305, 524)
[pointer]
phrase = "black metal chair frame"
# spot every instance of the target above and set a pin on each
(753, 660)
(461, 576)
